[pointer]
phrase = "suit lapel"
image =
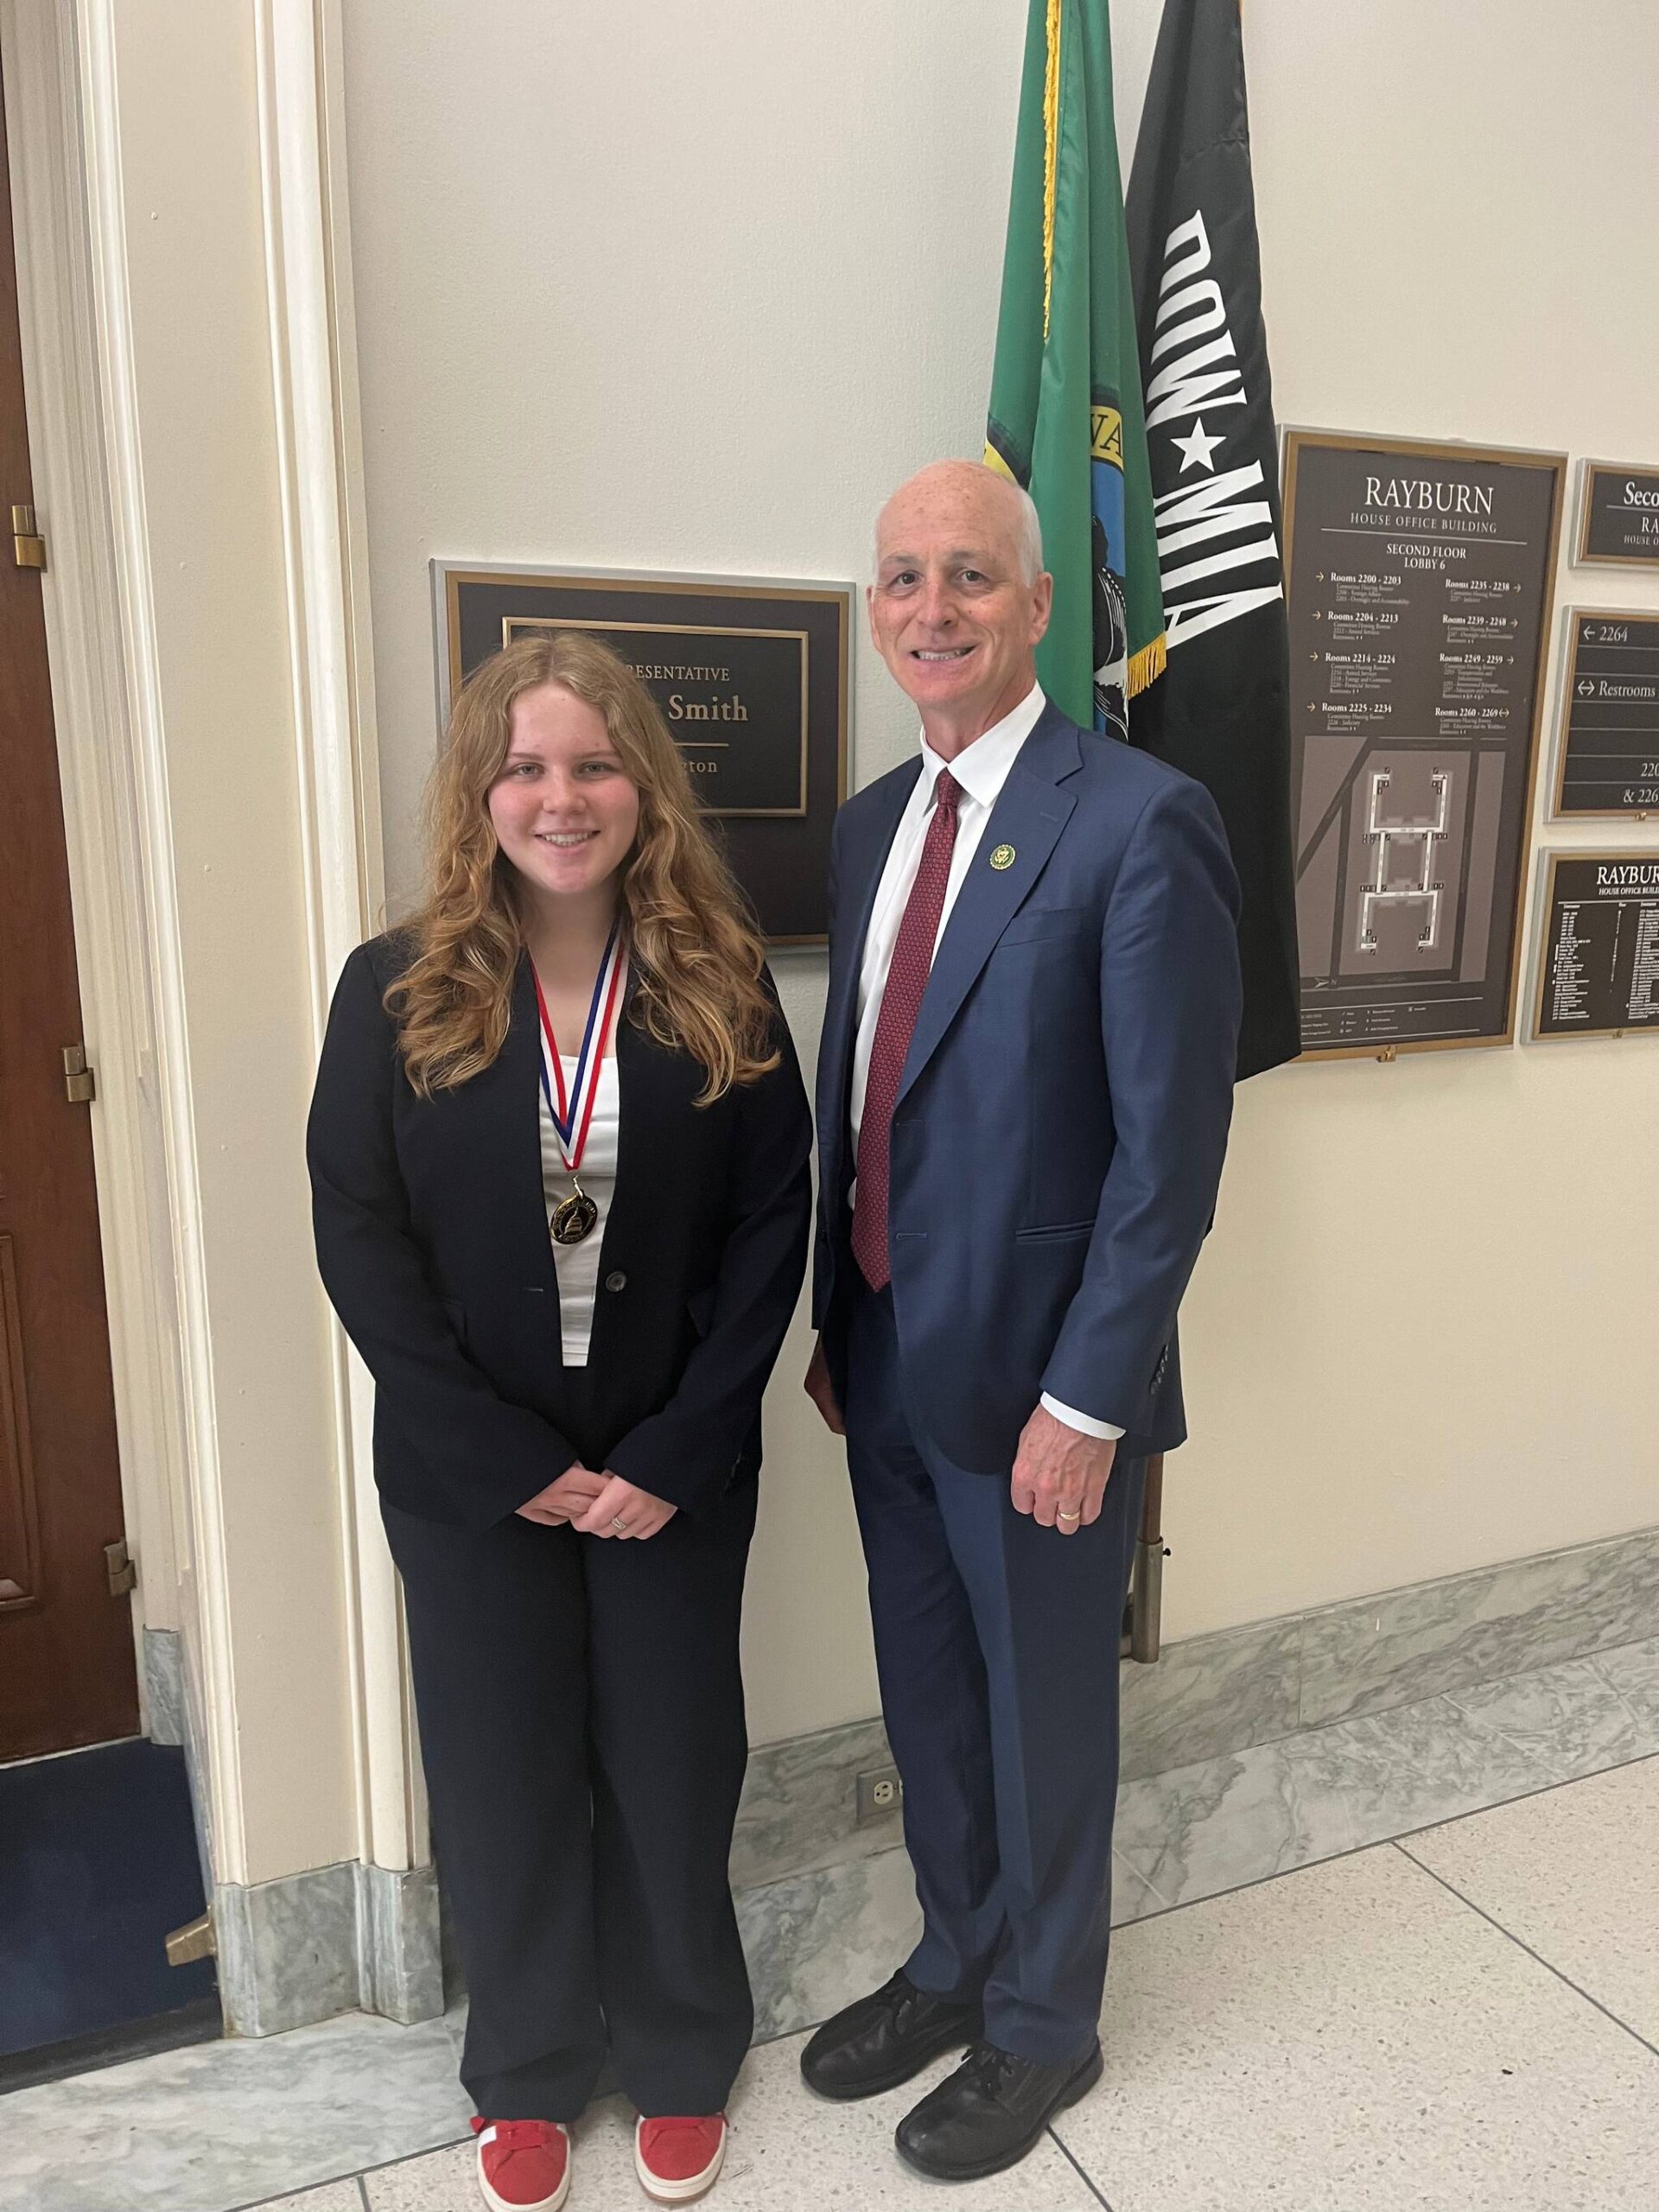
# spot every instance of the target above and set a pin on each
(653, 1086)
(515, 1138)
(1026, 820)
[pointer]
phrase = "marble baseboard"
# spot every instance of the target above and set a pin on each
(287, 1950)
(799, 1804)
(163, 1650)
(1435, 1638)
(399, 1943)
(1224, 1823)
(1220, 1695)
(335, 1939)
(1209, 1695)
(201, 1808)
(818, 1940)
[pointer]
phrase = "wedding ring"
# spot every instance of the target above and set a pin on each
(618, 1524)
(1060, 1515)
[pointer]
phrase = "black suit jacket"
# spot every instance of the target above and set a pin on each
(432, 1231)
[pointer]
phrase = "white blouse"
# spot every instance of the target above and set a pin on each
(577, 1265)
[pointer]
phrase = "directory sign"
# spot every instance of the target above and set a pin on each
(1607, 755)
(1599, 961)
(1420, 583)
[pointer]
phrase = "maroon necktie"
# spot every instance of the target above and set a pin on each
(912, 956)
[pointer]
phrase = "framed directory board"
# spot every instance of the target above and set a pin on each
(1607, 745)
(1599, 946)
(1420, 581)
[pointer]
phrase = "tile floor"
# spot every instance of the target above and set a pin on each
(1302, 2016)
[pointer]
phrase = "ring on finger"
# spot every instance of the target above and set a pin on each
(1062, 1515)
(618, 1524)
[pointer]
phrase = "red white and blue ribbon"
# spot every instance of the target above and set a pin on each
(572, 1113)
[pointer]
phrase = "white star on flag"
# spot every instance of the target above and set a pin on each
(1197, 450)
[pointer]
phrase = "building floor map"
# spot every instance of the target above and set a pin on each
(1419, 586)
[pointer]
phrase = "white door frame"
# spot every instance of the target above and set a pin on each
(63, 101)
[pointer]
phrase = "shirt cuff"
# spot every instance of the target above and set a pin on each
(1084, 1422)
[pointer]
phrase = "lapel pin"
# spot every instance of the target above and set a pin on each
(1002, 856)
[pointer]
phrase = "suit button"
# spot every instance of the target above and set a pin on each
(616, 1280)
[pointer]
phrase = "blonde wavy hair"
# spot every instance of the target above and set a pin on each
(694, 955)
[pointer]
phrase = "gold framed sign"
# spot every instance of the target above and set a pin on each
(752, 677)
(1618, 516)
(1421, 580)
(1607, 736)
(1598, 946)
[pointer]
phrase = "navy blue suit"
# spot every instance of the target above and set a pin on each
(1057, 1144)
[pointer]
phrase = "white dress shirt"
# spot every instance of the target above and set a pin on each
(577, 1266)
(980, 769)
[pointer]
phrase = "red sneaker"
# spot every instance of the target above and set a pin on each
(677, 2159)
(524, 2165)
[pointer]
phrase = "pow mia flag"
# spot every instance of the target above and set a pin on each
(1221, 712)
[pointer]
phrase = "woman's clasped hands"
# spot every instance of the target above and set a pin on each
(598, 1505)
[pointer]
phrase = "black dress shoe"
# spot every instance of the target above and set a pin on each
(884, 2038)
(990, 2112)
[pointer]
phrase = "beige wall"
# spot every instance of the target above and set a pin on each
(647, 285)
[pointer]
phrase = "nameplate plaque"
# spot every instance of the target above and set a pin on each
(1618, 516)
(750, 676)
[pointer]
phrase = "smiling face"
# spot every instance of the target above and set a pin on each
(565, 810)
(952, 611)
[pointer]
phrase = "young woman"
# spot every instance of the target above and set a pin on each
(558, 1151)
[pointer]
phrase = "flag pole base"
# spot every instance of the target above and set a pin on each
(1146, 1606)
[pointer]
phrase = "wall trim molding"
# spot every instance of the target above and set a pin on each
(63, 85)
(202, 1558)
(314, 376)
(91, 713)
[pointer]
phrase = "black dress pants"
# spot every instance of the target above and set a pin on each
(582, 1727)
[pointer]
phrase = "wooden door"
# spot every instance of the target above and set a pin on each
(66, 1669)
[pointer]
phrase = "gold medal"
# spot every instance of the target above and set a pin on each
(573, 1218)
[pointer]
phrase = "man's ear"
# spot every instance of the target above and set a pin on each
(1042, 607)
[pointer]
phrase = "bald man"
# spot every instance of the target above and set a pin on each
(1023, 1100)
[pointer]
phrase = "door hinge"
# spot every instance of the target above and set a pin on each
(118, 1565)
(28, 546)
(80, 1082)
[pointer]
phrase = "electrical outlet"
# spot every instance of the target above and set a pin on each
(880, 1794)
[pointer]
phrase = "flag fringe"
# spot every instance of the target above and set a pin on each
(1051, 153)
(1148, 664)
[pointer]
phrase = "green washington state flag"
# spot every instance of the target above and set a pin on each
(1066, 419)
